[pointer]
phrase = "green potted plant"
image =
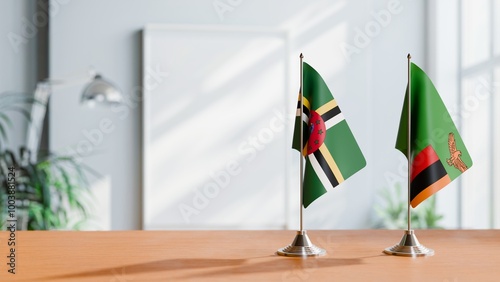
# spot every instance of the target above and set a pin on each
(50, 192)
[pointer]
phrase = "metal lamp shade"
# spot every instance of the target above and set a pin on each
(101, 91)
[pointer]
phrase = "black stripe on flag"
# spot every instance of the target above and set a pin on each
(305, 110)
(305, 134)
(427, 177)
(326, 168)
(331, 113)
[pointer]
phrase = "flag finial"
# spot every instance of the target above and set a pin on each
(409, 56)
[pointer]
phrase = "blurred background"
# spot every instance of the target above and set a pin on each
(201, 138)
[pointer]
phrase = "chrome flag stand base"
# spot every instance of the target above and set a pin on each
(301, 247)
(409, 247)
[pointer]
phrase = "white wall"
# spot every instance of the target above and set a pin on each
(17, 57)
(368, 85)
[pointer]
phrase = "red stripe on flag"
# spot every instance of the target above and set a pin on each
(425, 158)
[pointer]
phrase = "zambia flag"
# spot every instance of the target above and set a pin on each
(331, 152)
(438, 154)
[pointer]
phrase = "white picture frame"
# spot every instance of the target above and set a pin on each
(216, 127)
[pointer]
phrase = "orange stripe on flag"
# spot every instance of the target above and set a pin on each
(422, 160)
(430, 190)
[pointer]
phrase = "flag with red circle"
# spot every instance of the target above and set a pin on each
(331, 151)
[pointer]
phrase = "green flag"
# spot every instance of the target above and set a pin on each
(438, 153)
(332, 154)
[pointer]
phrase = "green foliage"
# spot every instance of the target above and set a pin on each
(47, 189)
(393, 213)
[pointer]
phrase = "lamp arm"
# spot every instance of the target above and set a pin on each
(57, 83)
(38, 110)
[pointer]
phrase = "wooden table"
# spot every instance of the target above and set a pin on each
(461, 255)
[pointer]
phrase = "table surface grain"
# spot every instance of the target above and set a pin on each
(352, 255)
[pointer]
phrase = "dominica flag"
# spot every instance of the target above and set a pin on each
(438, 154)
(332, 154)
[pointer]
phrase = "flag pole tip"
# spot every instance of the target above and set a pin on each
(301, 56)
(409, 56)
